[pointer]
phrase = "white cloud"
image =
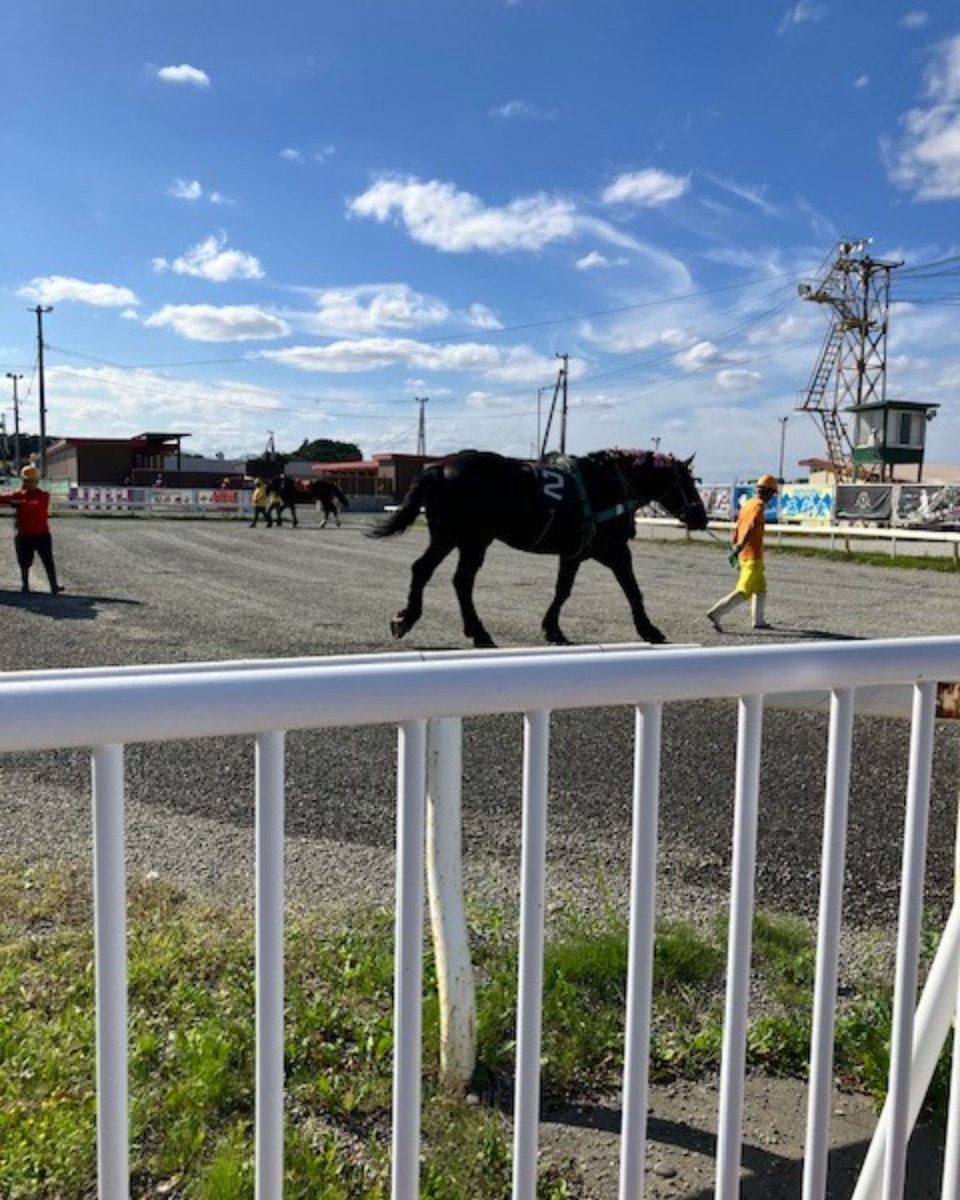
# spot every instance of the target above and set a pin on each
(229, 323)
(926, 162)
(480, 317)
(192, 189)
(753, 193)
(186, 189)
(522, 110)
(595, 261)
(184, 74)
(324, 153)
(515, 364)
(111, 402)
(130, 314)
(437, 214)
(800, 14)
(52, 289)
(291, 154)
(650, 188)
(211, 260)
(734, 380)
(697, 356)
(914, 20)
(374, 307)
(861, 82)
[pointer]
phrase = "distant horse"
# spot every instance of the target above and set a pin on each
(577, 508)
(329, 496)
(282, 494)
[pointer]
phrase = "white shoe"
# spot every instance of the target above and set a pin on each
(763, 625)
(714, 622)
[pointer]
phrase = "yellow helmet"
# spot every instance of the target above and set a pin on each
(768, 481)
(29, 472)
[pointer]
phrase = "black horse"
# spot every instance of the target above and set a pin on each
(282, 494)
(577, 508)
(330, 498)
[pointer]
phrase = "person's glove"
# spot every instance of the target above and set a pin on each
(733, 558)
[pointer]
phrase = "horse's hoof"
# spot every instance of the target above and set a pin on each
(484, 642)
(557, 638)
(654, 636)
(398, 625)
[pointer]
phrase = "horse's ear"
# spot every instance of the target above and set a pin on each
(688, 462)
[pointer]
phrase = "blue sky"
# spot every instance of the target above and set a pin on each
(300, 217)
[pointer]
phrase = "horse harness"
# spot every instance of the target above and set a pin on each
(591, 519)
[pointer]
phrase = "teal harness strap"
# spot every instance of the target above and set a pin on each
(628, 506)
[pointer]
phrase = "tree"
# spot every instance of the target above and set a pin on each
(327, 450)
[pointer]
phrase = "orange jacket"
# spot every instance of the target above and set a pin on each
(751, 523)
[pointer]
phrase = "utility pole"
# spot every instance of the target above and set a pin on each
(422, 427)
(3, 441)
(783, 439)
(563, 404)
(16, 422)
(539, 450)
(40, 310)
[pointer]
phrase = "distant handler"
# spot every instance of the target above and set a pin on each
(747, 552)
(32, 505)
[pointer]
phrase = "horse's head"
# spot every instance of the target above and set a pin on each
(670, 483)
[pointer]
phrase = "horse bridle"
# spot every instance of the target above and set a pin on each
(676, 484)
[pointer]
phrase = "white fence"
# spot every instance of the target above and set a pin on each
(106, 708)
(894, 540)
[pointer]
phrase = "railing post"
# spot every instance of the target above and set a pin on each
(269, 965)
(643, 871)
(451, 947)
(408, 967)
(828, 943)
(526, 1117)
(110, 954)
(730, 1128)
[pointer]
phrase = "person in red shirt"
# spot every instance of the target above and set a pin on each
(32, 506)
(747, 552)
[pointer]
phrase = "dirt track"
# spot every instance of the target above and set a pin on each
(155, 591)
(145, 591)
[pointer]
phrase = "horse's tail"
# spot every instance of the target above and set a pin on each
(418, 494)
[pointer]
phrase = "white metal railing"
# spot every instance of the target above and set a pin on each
(107, 708)
(891, 538)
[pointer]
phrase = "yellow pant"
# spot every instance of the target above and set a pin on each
(753, 578)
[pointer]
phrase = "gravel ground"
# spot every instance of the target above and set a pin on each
(150, 591)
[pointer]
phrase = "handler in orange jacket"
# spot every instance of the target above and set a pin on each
(748, 551)
(32, 505)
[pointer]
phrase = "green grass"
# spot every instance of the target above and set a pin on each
(192, 1041)
(872, 558)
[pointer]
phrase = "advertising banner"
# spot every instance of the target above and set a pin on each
(866, 502)
(936, 506)
(718, 501)
(806, 504)
(741, 493)
(100, 498)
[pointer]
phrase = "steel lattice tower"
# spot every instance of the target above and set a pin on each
(852, 366)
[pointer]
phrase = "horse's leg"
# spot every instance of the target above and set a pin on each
(471, 560)
(550, 625)
(420, 573)
(618, 558)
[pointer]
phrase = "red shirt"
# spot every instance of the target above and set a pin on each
(32, 505)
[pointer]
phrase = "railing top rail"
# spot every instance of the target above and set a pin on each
(81, 710)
